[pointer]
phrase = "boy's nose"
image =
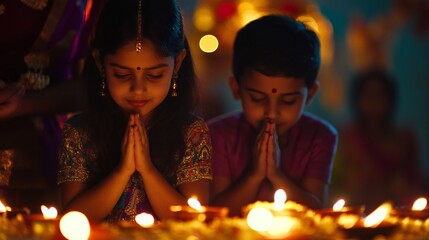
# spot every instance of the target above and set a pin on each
(271, 112)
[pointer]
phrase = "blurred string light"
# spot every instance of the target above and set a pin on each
(309, 22)
(209, 43)
(204, 19)
(225, 18)
(248, 12)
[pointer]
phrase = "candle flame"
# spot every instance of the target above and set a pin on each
(145, 219)
(49, 213)
(420, 204)
(279, 199)
(75, 226)
(378, 215)
(339, 205)
(195, 204)
(260, 219)
(2, 207)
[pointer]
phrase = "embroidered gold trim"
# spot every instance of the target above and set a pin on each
(35, 78)
(51, 23)
(36, 4)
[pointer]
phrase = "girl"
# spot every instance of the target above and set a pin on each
(137, 147)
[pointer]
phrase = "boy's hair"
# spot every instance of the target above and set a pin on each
(276, 45)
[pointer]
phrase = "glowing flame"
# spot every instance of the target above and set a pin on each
(420, 204)
(279, 199)
(339, 205)
(75, 226)
(195, 204)
(145, 219)
(49, 213)
(2, 207)
(280, 228)
(347, 220)
(260, 219)
(378, 215)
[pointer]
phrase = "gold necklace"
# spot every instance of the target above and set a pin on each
(36, 4)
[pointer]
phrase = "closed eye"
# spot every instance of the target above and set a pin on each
(288, 102)
(154, 76)
(122, 76)
(257, 99)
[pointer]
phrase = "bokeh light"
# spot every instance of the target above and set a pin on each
(209, 43)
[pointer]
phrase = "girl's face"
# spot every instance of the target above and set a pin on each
(139, 82)
(279, 99)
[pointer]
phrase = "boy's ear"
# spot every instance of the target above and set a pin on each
(179, 60)
(96, 55)
(312, 92)
(234, 87)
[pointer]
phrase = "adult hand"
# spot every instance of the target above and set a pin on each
(142, 154)
(127, 164)
(10, 99)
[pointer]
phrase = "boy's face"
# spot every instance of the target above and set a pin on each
(280, 99)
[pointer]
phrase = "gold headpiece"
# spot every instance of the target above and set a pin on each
(139, 28)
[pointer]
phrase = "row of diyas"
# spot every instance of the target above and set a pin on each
(75, 225)
(280, 219)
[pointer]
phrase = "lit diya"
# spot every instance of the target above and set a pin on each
(45, 224)
(75, 225)
(276, 220)
(9, 213)
(371, 226)
(194, 211)
(339, 209)
(280, 206)
(419, 210)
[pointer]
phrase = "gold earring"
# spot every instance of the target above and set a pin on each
(174, 85)
(103, 83)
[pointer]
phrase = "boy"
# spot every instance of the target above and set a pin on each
(272, 143)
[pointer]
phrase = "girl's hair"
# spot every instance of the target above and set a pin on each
(104, 121)
(361, 80)
(276, 45)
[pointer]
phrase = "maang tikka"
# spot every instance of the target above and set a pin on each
(139, 28)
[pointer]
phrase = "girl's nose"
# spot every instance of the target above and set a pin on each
(138, 86)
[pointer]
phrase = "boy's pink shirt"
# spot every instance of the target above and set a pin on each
(309, 154)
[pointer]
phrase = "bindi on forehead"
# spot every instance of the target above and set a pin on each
(274, 90)
(138, 68)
